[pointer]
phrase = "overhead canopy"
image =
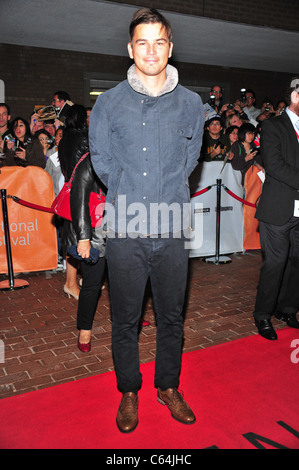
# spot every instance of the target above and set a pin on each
(102, 27)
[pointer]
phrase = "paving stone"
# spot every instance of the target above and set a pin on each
(38, 323)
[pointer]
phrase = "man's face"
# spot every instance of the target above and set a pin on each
(214, 128)
(281, 106)
(294, 106)
(150, 48)
(37, 126)
(57, 102)
(50, 128)
(216, 92)
(4, 117)
(249, 99)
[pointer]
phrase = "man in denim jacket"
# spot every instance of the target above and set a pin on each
(145, 140)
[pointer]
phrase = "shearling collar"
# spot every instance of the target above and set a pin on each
(172, 79)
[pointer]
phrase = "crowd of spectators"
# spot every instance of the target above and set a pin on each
(232, 133)
(224, 120)
(34, 142)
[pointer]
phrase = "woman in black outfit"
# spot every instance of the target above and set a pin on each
(245, 155)
(73, 145)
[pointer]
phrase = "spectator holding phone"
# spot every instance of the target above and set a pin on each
(21, 149)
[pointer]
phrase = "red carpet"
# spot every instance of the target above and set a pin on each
(244, 394)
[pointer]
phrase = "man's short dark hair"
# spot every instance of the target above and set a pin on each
(215, 118)
(147, 16)
(62, 95)
(250, 91)
(212, 88)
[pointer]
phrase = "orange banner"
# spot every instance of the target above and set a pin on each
(253, 188)
(33, 237)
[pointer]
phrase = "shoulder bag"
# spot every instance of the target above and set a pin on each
(62, 203)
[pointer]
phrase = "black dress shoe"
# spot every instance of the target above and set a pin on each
(289, 318)
(266, 329)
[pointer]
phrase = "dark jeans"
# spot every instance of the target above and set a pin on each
(92, 279)
(279, 277)
(131, 262)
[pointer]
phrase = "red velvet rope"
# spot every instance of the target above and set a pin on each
(198, 193)
(31, 205)
(238, 198)
(201, 191)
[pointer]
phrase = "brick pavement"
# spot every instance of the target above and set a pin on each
(38, 323)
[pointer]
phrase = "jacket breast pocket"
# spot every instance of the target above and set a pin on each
(178, 135)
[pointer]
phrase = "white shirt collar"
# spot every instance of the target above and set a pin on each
(293, 117)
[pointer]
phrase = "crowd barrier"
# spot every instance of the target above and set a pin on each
(229, 237)
(28, 238)
(30, 233)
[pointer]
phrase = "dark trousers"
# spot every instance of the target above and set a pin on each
(92, 279)
(278, 287)
(131, 262)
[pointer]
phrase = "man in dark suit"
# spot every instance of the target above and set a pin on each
(278, 215)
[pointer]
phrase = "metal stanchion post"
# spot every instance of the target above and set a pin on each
(11, 283)
(217, 259)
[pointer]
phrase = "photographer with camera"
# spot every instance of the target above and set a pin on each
(229, 109)
(249, 108)
(213, 106)
(267, 110)
(62, 102)
(280, 107)
(215, 144)
(46, 140)
(21, 149)
(216, 97)
(35, 125)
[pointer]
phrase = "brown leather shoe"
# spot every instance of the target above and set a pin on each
(127, 415)
(176, 404)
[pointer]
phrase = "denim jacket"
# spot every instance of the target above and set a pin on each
(144, 148)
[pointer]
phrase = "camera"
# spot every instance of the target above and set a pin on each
(267, 107)
(230, 106)
(243, 95)
(212, 100)
(9, 137)
(20, 145)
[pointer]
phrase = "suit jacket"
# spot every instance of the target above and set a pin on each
(280, 157)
